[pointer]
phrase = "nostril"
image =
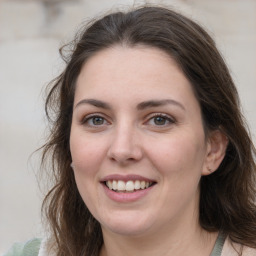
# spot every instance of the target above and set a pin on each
(123, 160)
(123, 151)
(122, 156)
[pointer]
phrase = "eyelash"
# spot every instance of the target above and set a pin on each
(86, 119)
(166, 118)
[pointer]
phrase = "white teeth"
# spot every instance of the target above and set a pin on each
(137, 184)
(142, 184)
(109, 184)
(114, 185)
(121, 185)
(129, 186)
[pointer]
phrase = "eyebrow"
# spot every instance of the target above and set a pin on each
(141, 106)
(158, 103)
(96, 103)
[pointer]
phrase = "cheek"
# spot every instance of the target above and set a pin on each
(179, 154)
(86, 153)
(85, 157)
(180, 161)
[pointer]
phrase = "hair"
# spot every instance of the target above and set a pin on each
(227, 196)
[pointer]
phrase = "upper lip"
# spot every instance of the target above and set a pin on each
(132, 177)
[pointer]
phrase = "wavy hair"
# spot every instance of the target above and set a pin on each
(227, 197)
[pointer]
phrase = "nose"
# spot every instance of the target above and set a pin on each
(125, 146)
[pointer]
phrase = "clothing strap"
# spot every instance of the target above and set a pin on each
(218, 245)
(30, 248)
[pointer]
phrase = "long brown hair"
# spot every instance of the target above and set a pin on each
(227, 199)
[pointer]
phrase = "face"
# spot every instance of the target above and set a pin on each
(137, 141)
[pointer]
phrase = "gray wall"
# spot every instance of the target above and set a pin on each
(31, 32)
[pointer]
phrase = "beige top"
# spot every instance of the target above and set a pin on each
(234, 249)
(228, 249)
(38, 247)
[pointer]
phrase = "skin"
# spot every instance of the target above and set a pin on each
(127, 138)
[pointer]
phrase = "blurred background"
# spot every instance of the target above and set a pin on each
(31, 32)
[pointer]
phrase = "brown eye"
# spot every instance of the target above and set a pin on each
(97, 120)
(159, 120)
(94, 120)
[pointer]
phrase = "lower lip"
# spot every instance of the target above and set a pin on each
(126, 197)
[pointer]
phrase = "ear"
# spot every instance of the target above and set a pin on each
(216, 149)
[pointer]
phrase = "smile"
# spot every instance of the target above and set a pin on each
(128, 186)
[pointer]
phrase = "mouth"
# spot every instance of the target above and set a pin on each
(129, 186)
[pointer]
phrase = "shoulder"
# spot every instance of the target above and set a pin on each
(29, 248)
(234, 249)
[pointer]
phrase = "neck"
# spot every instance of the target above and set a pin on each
(192, 241)
(178, 236)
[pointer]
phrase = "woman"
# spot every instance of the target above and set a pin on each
(149, 150)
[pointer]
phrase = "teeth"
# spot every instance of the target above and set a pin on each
(121, 185)
(129, 186)
(114, 185)
(110, 184)
(137, 184)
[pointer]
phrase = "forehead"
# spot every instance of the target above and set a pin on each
(135, 72)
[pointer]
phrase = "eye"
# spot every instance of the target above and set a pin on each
(160, 120)
(94, 120)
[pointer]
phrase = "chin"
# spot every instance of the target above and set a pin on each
(126, 230)
(127, 225)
